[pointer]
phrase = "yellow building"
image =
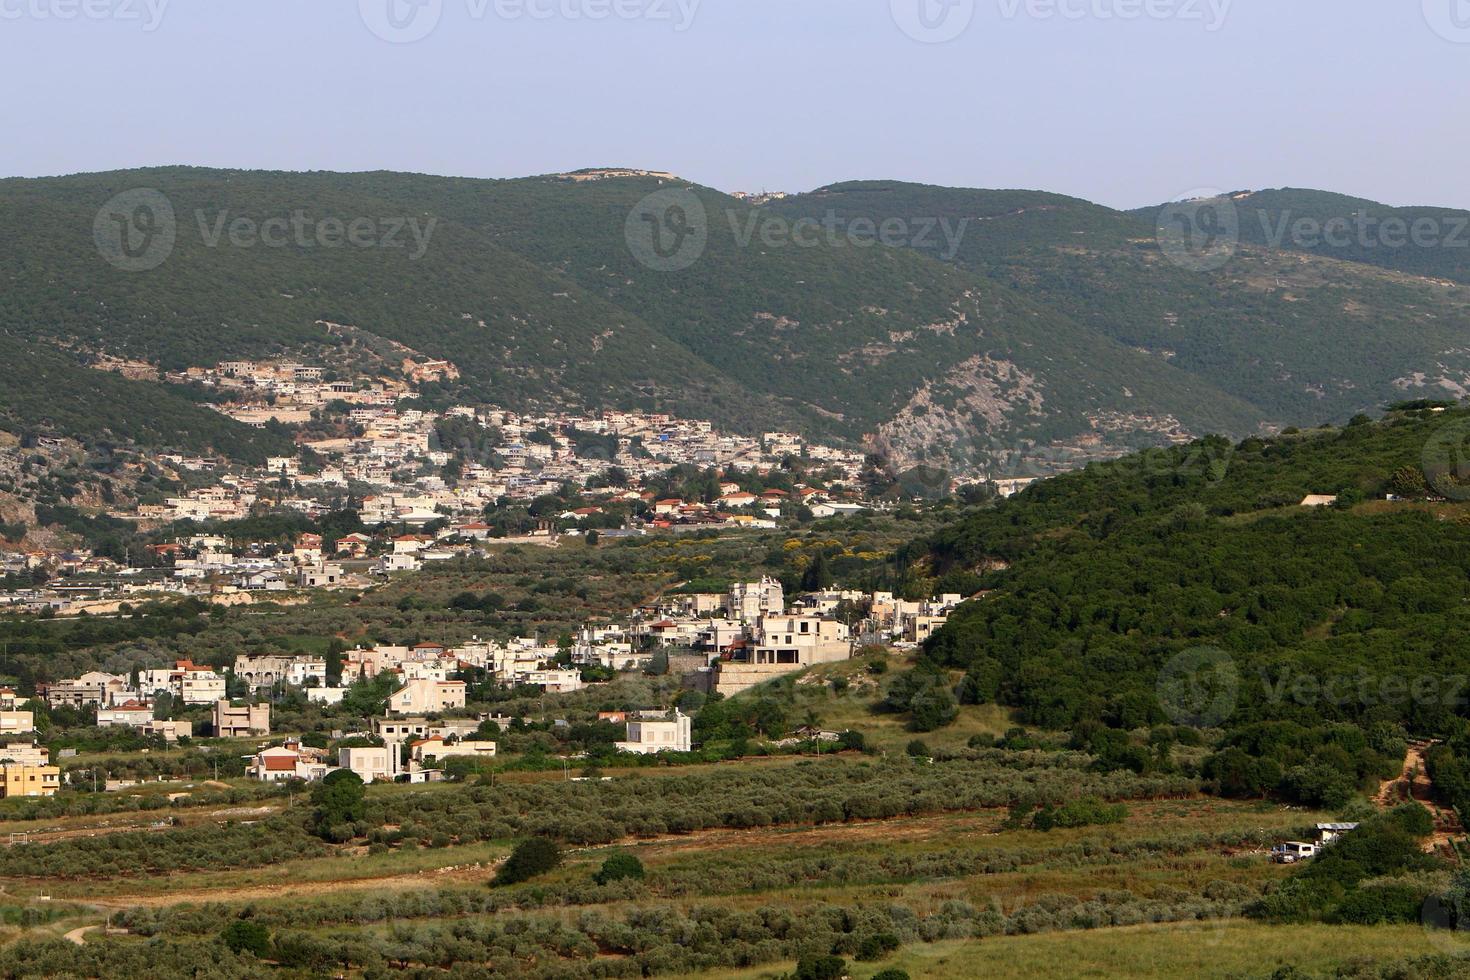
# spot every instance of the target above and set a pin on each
(21, 780)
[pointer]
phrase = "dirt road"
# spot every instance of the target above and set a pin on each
(1413, 783)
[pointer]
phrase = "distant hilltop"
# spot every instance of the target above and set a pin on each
(609, 173)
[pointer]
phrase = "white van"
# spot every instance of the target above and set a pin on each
(1293, 851)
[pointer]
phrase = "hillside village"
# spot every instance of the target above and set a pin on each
(420, 486)
(714, 644)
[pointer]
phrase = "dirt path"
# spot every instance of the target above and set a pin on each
(1413, 782)
(430, 878)
(105, 825)
(78, 936)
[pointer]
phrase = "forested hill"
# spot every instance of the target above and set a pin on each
(531, 288)
(1100, 587)
(1029, 320)
(1304, 332)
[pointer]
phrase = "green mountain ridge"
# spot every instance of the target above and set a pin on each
(1056, 321)
(1302, 336)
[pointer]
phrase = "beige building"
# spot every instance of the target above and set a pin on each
(94, 688)
(25, 754)
(646, 736)
(169, 731)
(241, 722)
(371, 762)
(426, 697)
(432, 749)
(130, 714)
(784, 645)
(23, 780)
(14, 720)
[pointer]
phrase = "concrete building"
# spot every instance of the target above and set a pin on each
(262, 672)
(13, 719)
(646, 736)
(783, 645)
(275, 765)
(91, 689)
(130, 714)
(23, 780)
(169, 731)
(748, 601)
(433, 749)
(372, 762)
(241, 722)
(426, 697)
(25, 754)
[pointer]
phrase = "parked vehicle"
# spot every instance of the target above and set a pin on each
(1293, 851)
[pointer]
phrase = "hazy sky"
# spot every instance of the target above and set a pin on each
(1125, 102)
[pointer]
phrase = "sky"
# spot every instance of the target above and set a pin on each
(1123, 102)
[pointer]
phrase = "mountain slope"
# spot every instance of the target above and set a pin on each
(530, 287)
(1052, 329)
(1301, 336)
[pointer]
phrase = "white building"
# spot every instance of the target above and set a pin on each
(426, 697)
(647, 736)
(372, 762)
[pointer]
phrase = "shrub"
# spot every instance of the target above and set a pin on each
(339, 799)
(1374, 906)
(619, 867)
(820, 968)
(533, 856)
(876, 946)
(890, 974)
(244, 936)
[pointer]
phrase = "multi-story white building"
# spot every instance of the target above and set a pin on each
(427, 697)
(748, 601)
(659, 735)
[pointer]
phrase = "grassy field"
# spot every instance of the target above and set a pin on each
(1227, 949)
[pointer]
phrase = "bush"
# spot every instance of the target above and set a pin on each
(533, 856)
(1375, 906)
(890, 974)
(820, 968)
(919, 749)
(619, 867)
(876, 946)
(244, 936)
(340, 800)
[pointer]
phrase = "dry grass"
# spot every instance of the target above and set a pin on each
(1227, 949)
